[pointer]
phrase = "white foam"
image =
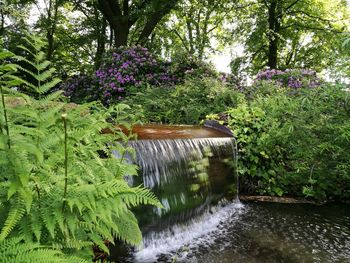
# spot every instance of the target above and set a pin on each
(202, 231)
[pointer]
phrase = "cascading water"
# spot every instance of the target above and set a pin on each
(190, 177)
(157, 158)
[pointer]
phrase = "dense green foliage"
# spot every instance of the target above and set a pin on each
(62, 191)
(291, 34)
(186, 103)
(294, 143)
(253, 33)
(58, 192)
(16, 251)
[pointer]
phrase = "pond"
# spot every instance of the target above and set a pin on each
(194, 181)
(254, 232)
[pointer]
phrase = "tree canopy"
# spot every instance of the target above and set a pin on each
(272, 33)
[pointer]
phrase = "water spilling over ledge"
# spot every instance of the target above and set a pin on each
(193, 178)
(161, 159)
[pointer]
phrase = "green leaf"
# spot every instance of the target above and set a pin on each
(15, 214)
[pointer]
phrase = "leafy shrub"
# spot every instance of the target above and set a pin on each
(315, 134)
(291, 78)
(185, 67)
(258, 162)
(186, 103)
(295, 145)
(123, 72)
(235, 81)
(55, 189)
(81, 88)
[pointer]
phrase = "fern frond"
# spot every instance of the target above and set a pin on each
(28, 84)
(45, 75)
(26, 195)
(56, 186)
(35, 42)
(5, 54)
(72, 244)
(129, 231)
(52, 97)
(25, 49)
(48, 219)
(14, 250)
(20, 58)
(43, 65)
(14, 216)
(140, 196)
(99, 242)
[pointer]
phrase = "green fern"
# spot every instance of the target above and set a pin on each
(55, 189)
(15, 214)
(15, 250)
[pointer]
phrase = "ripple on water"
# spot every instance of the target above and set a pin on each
(286, 233)
(253, 233)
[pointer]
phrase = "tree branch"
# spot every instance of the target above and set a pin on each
(182, 40)
(311, 16)
(292, 4)
(154, 18)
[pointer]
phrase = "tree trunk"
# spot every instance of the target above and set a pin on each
(121, 17)
(121, 35)
(274, 13)
(101, 43)
(2, 24)
(111, 37)
(52, 28)
(118, 22)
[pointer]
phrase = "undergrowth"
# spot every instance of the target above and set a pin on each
(58, 196)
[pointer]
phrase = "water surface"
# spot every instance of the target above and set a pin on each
(254, 232)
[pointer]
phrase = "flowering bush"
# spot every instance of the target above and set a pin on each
(125, 71)
(81, 88)
(128, 71)
(291, 78)
(232, 80)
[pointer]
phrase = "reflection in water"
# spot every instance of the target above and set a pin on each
(190, 178)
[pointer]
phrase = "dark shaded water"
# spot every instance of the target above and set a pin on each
(254, 232)
(282, 233)
(197, 225)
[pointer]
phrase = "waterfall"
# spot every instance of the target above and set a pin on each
(191, 178)
(155, 157)
(201, 222)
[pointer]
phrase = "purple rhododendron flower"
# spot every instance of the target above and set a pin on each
(128, 68)
(291, 78)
